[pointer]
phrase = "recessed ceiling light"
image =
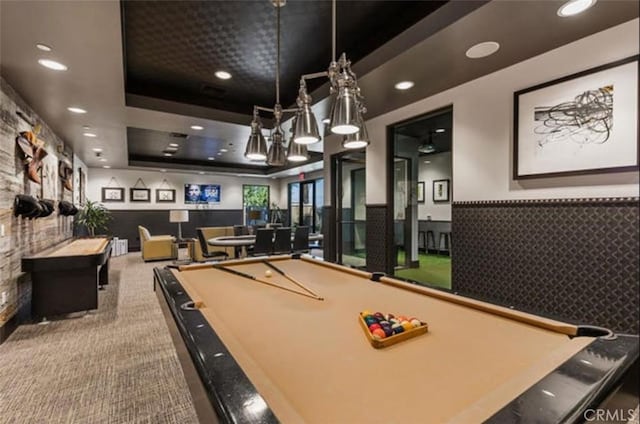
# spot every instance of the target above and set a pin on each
(211, 158)
(76, 110)
(52, 64)
(43, 47)
(573, 7)
(224, 75)
(404, 85)
(224, 150)
(173, 144)
(106, 166)
(440, 130)
(103, 160)
(168, 154)
(86, 127)
(163, 170)
(484, 49)
(88, 134)
(97, 149)
(427, 161)
(201, 173)
(326, 120)
(171, 149)
(219, 154)
(197, 127)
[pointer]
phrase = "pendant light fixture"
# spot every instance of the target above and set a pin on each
(256, 148)
(346, 108)
(346, 118)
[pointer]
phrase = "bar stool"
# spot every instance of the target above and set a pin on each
(445, 240)
(422, 237)
(430, 242)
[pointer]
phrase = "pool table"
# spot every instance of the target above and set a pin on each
(66, 278)
(253, 352)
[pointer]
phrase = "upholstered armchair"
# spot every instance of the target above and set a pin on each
(156, 248)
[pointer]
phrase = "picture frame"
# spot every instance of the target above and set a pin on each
(584, 123)
(82, 186)
(139, 194)
(440, 191)
(420, 194)
(112, 194)
(165, 195)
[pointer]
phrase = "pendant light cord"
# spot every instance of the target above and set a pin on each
(333, 30)
(278, 54)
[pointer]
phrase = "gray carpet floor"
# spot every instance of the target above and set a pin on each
(114, 365)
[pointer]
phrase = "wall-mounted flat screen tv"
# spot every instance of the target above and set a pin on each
(201, 193)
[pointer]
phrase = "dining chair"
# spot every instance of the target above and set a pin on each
(282, 243)
(264, 242)
(240, 230)
(209, 252)
(301, 239)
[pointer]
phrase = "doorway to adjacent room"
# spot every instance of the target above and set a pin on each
(422, 195)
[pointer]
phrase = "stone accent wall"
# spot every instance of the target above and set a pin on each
(24, 236)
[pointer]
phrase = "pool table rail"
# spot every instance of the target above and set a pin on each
(219, 387)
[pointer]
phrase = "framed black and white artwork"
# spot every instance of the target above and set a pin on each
(139, 195)
(440, 191)
(585, 123)
(165, 195)
(112, 194)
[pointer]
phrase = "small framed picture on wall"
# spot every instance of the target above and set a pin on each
(165, 195)
(139, 195)
(112, 194)
(441, 191)
(421, 192)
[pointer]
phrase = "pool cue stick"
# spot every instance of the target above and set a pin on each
(268, 283)
(293, 280)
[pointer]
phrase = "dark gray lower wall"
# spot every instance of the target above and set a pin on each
(125, 223)
(576, 260)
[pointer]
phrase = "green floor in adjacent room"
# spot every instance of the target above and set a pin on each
(434, 270)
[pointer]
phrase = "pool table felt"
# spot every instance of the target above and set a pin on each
(77, 247)
(311, 363)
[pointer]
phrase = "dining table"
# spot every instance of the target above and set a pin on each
(245, 241)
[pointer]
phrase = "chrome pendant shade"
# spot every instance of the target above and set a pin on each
(277, 155)
(358, 140)
(344, 118)
(297, 152)
(257, 145)
(306, 128)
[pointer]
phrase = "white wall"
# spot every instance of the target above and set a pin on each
(483, 127)
(230, 187)
(439, 168)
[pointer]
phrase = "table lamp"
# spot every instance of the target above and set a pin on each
(179, 217)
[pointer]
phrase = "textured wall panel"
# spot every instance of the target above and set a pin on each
(572, 259)
(379, 239)
(329, 233)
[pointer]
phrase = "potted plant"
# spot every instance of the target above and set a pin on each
(93, 216)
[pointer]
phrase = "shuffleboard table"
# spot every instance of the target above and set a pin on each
(66, 278)
(252, 352)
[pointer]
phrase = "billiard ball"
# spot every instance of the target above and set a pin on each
(378, 333)
(387, 331)
(416, 322)
(407, 325)
(374, 327)
(267, 273)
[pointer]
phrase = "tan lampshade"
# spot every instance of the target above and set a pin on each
(179, 216)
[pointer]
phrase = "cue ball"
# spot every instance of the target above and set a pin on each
(267, 273)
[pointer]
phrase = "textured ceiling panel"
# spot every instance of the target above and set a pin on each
(172, 49)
